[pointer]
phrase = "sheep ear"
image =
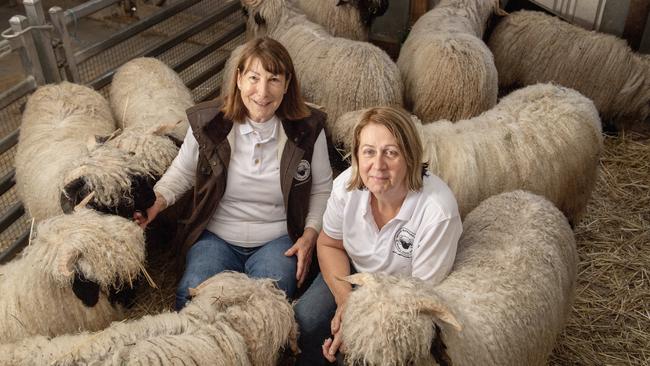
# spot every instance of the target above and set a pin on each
(438, 311)
(360, 279)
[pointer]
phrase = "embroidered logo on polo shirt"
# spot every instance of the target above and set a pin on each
(404, 242)
(302, 171)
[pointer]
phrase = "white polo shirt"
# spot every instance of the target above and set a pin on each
(420, 241)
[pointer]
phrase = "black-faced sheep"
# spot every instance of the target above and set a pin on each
(531, 47)
(232, 320)
(504, 302)
(60, 283)
(338, 74)
(544, 138)
(349, 19)
(448, 71)
(56, 125)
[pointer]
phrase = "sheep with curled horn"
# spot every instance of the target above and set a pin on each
(149, 101)
(338, 74)
(57, 122)
(349, 19)
(448, 71)
(231, 320)
(505, 301)
(543, 138)
(531, 47)
(64, 280)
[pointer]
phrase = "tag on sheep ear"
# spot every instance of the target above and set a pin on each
(360, 279)
(438, 311)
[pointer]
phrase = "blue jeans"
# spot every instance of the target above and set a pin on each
(211, 255)
(314, 312)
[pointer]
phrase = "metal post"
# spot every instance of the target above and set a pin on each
(42, 40)
(25, 44)
(58, 20)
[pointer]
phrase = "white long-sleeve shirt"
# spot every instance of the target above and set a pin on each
(251, 211)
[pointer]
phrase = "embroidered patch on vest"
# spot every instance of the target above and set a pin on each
(404, 242)
(302, 171)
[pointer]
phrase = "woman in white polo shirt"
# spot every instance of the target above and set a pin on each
(385, 214)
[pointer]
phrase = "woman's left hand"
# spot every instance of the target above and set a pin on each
(303, 250)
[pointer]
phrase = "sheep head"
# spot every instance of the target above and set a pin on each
(261, 16)
(369, 9)
(255, 308)
(392, 321)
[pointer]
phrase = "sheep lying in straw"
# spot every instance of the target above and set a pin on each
(504, 303)
(448, 71)
(544, 138)
(149, 101)
(531, 47)
(38, 289)
(232, 320)
(349, 19)
(338, 74)
(56, 124)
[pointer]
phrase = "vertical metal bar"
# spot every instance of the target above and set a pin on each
(58, 20)
(599, 15)
(27, 49)
(635, 22)
(42, 40)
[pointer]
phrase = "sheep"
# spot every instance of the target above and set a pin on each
(149, 101)
(543, 138)
(145, 92)
(504, 302)
(349, 19)
(338, 74)
(448, 71)
(59, 284)
(531, 47)
(56, 124)
(231, 320)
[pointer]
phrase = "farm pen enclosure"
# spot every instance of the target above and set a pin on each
(610, 322)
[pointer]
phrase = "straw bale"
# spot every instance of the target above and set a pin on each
(37, 296)
(56, 124)
(504, 302)
(543, 138)
(147, 93)
(532, 47)
(448, 71)
(338, 74)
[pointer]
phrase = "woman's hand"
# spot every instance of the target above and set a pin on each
(303, 250)
(159, 205)
(332, 345)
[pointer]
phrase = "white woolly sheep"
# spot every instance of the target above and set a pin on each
(232, 320)
(147, 93)
(59, 284)
(57, 122)
(504, 303)
(339, 74)
(544, 138)
(531, 47)
(349, 19)
(448, 71)
(149, 101)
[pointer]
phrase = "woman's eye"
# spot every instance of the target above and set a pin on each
(392, 153)
(368, 152)
(252, 78)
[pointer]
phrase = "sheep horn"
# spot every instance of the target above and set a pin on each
(66, 263)
(360, 279)
(85, 201)
(165, 128)
(439, 311)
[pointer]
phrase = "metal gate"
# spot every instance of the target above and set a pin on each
(194, 37)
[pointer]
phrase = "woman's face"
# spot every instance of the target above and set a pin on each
(261, 91)
(381, 163)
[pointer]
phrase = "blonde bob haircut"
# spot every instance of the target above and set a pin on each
(399, 123)
(276, 60)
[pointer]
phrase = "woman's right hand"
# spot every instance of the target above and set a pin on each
(142, 220)
(332, 345)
